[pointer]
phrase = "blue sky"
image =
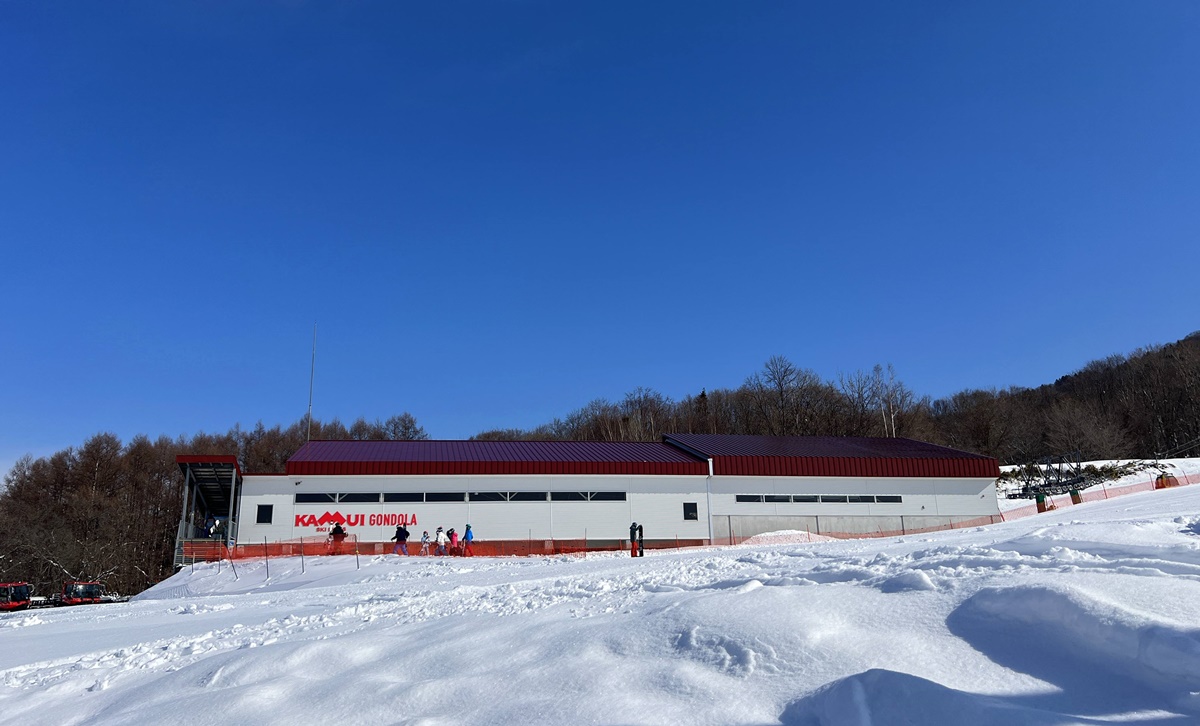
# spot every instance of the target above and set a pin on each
(495, 212)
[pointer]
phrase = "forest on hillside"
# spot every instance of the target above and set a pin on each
(1123, 406)
(108, 510)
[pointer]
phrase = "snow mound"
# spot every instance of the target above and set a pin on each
(1096, 651)
(879, 697)
(786, 536)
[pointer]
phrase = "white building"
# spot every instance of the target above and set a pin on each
(689, 488)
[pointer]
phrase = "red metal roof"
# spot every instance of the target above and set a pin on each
(492, 457)
(833, 456)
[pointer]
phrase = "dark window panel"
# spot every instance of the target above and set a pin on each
(358, 497)
(527, 496)
(489, 497)
(264, 513)
(403, 497)
(445, 496)
(608, 496)
(568, 496)
(315, 498)
(690, 512)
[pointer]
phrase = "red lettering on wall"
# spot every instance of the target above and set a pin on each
(355, 520)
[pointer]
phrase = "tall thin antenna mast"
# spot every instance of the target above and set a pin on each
(312, 374)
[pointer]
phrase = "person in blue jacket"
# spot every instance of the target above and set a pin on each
(468, 535)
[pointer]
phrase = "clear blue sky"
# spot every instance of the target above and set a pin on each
(495, 212)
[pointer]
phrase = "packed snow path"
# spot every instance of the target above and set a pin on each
(1086, 615)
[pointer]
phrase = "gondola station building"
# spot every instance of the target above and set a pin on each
(684, 489)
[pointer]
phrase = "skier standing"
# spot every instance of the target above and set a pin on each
(401, 538)
(468, 536)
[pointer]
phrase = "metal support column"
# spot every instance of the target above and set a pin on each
(229, 534)
(184, 515)
(192, 512)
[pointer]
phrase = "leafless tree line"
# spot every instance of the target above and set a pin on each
(108, 511)
(1119, 407)
(780, 400)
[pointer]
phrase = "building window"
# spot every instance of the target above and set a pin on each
(805, 498)
(889, 499)
(527, 496)
(315, 498)
(862, 499)
(607, 496)
(403, 497)
(834, 498)
(750, 498)
(359, 497)
(445, 496)
(568, 496)
(777, 498)
(690, 512)
(489, 497)
(264, 513)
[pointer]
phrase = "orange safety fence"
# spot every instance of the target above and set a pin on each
(201, 550)
(1100, 493)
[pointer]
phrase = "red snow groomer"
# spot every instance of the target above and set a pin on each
(14, 595)
(81, 593)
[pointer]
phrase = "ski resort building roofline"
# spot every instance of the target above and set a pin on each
(492, 457)
(737, 455)
(677, 454)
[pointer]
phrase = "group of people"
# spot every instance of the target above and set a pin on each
(448, 542)
(442, 539)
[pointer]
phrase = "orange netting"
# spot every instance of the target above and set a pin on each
(203, 550)
(1101, 493)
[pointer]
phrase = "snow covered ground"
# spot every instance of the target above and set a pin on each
(1088, 614)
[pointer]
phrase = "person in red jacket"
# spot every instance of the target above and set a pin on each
(453, 541)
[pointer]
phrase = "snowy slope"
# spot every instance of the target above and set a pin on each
(1085, 615)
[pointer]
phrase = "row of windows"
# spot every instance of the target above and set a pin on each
(374, 497)
(823, 498)
(690, 512)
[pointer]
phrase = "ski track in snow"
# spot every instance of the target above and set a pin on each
(1084, 615)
